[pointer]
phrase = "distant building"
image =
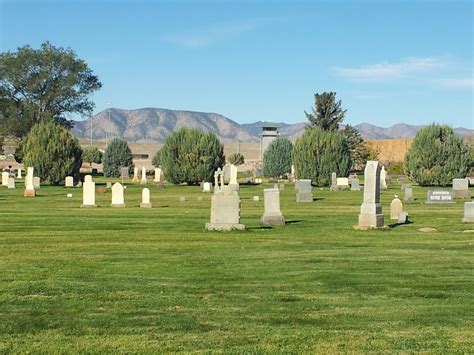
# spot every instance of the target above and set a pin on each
(269, 134)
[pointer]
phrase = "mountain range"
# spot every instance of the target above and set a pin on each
(155, 124)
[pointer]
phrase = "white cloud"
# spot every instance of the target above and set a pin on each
(456, 83)
(215, 33)
(390, 71)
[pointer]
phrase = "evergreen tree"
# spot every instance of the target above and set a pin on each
(437, 156)
(277, 158)
(117, 155)
(191, 156)
(355, 142)
(236, 159)
(157, 159)
(326, 114)
(318, 153)
(52, 151)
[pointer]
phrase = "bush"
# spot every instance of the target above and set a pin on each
(117, 155)
(277, 158)
(437, 156)
(91, 154)
(192, 156)
(236, 159)
(52, 151)
(318, 153)
(157, 159)
(395, 168)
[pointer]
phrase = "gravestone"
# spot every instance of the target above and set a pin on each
(256, 198)
(272, 214)
(333, 182)
(371, 209)
(145, 198)
(88, 193)
(402, 218)
(182, 199)
(355, 185)
(342, 183)
(143, 180)
(408, 194)
(233, 183)
(383, 178)
(206, 187)
(396, 207)
(5, 177)
(19, 173)
(304, 191)
(69, 181)
(11, 183)
(124, 173)
(468, 212)
(88, 178)
(225, 207)
(439, 197)
(117, 195)
(109, 185)
(135, 175)
(157, 175)
(461, 188)
(36, 182)
(226, 172)
(29, 186)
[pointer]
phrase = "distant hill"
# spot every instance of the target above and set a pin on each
(155, 124)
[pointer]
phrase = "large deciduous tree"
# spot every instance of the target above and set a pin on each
(45, 83)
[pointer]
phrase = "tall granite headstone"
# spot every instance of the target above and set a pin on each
(272, 214)
(371, 210)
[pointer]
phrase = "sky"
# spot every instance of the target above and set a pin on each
(388, 61)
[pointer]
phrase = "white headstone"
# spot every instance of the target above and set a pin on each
(342, 183)
(371, 210)
(468, 212)
(29, 186)
(5, 176)
(396, 207)
(11, 183)
(408, 194)
(272, 214)
(333, 182)
(157, 175)
(19, 173)
(234, 185)
(145, 198)
(135, 175)
(256, 198)
(36, 182)
(69, 181)
(88, 178)
(383, 178)
(117, 195)
(206, 187)
(143, 180)
(88, 193)
(461, 188)
(304, 190)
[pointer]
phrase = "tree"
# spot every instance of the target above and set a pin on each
(91, 154)
(157, 159)
(355, 142)
(116, 155)
(191, 156)
(52, 151)
(277, 158)
(45, 83)
(326, 114)
(318, 153)
(437, 156)
(236, 159)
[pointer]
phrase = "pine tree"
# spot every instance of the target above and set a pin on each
(326, 114)
(277, 158)
(117, 155)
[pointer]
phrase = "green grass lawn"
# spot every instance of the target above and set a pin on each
(148, 280)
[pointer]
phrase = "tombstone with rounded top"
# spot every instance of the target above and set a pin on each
(396, 207)
(206, 187)
(383, 178)
(69, 181)
(88, 193)
(371, 209)
(88, 178)
(5, 177)
(11, 183)
(117, 195)
(145, 198)
(272, 214)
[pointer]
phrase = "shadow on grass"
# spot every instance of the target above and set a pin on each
(318, 198)
(294, 221)
(259, 227)
(395, 225)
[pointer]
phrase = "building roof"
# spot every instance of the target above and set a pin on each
(270, 125)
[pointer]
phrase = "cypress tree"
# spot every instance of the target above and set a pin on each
(117, 155)
(277, 158)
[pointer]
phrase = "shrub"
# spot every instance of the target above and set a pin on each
(91, 154)
(277, 158)
(236, 159)
(192, 156)
(52, 151)
(437, 156)
(157, 159)
(117, 155)
(318, 153)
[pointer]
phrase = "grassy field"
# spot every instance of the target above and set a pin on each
(148, 280)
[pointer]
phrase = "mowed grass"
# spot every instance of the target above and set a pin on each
(153, 280)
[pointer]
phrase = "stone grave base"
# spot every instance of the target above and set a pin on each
(343, 187)
(88, 206)
(117, 205)
(461, 194)
(304, 197)
(234, 187)
(355, 189)
(369, 221)
(467, 220)
(272, 219)
(224, 226)
(145, 205)
(29, 193)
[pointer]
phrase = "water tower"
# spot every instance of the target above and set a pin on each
(269, 134)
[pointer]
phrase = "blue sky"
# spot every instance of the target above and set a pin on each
(388, 61)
